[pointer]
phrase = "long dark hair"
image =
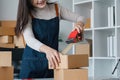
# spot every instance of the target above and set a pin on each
(24, 10)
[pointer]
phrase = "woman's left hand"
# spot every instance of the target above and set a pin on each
(79, 26)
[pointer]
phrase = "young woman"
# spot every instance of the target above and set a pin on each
(38, 22)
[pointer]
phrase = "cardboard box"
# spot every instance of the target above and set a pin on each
(19, 42)
(8, 23)
(82, 49)
(3, 39)
(6, 73)
(72, 61)
(88, 23)
(10, 39)
(70, 74)
(5, 31)
(6, 39)
(7, 45)
(5, 58)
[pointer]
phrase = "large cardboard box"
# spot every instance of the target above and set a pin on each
(71, 74)
(5, 31)
(72, 61)
(5, 59)
(8, 23)
(6, 73)
(7, 45)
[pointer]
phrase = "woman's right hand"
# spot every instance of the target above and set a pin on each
(52, 56)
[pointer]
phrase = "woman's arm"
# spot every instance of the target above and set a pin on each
(66, 14)
(30, 38)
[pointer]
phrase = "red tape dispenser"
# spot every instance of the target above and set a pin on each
(74, 37)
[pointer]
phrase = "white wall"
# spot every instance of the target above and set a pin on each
(8, 9)
(66, 27)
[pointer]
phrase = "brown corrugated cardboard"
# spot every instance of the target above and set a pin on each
(19, 42)
(82, 48)
(70, 74)
(6, 39)
(6, 73)
(88, 23)
(8, 23)
(3, 45)
(3, 39)
(5, 58)
(5, 31)
(72, 61)
(10, 39)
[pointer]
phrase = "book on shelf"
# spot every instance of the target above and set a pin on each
(111, 46)
(111, 16)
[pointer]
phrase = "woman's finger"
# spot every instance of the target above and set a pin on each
(55, 61)
(58, 57)
(51, 62)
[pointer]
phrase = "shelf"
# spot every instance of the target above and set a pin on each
(104, 43)
(104, 68)
(83, 9)
(102, 16)
(118, 12)
(105, 58)
(89, 29)
(105, 35)
(82, 2)
(104, 28)
(118, 26)
(91, 58)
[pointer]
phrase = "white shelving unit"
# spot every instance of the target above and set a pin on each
(105, 35)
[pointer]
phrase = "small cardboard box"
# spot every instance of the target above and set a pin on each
(84, 48)
(88, 23)
(6, 39)
(71, 74)
(7, 45)
(5, 31)
(6, 73)
(8, 23)
(3, 39)
(5, 59)
(72, 61)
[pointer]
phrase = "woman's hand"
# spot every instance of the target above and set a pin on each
(79, 26)
(52, 56)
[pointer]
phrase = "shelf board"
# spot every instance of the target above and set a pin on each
(89, 29)
(118, 26)
(105, 58)
(118, 57)
(104, 28)
(90, 57)
(82, 2)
